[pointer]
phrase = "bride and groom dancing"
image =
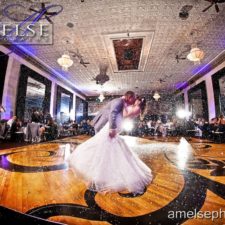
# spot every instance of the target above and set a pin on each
(105, 162)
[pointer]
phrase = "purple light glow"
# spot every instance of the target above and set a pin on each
(181, 84)
(61, 72)
(5, 162)
(8, 107)
(202, 69)
(29, 49)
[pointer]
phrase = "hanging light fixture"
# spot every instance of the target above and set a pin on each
(156, 96)
(195, 55)
(101, 97)
(65, 61)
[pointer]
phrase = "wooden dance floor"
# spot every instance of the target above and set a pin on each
(38, 187)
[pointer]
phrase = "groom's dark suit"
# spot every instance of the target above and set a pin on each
(109, 114)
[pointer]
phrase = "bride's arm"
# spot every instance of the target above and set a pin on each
(131, 111)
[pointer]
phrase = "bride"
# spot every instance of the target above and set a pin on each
(108, 164)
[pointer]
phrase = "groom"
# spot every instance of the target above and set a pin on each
(110, 112)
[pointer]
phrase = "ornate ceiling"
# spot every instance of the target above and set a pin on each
(90, 27)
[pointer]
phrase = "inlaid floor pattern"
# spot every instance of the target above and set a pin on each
(37, 180)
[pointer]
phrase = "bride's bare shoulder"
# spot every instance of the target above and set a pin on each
(131, 111)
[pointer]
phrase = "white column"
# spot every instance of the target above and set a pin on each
(10, 87)
(73, 111)
(210, 97)
(186, 104)
(53, 100)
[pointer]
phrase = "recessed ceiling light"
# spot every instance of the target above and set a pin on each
(70, 25)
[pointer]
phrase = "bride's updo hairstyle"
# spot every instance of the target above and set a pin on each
(142, 103)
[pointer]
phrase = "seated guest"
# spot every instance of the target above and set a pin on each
(47, 116)
(91, 130)
(169, 124)
(52, 130)
(3, 130)
(7, 126)
(85, 126)
(41, 117)
(41, 132)
(14, 128)
(10, 121)
(2, 110)
(38, 117)
(216, 124)
(34, 131)
(74, 125)
(145, 128)
(159, 129)
(169, 127)
(221, 119)
(212, 122)
(198, 122)
(151, 129)
(35, 117)
(213, 126)
(204, 127)
(190, 124)
(221, 124)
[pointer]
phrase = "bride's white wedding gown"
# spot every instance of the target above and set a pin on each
(109, 165)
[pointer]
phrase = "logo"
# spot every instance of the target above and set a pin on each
(29, 33)
(35, 28)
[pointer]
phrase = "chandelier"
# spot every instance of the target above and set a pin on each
(195, 55)
(101, 97)
(156, 96)
(65, 62)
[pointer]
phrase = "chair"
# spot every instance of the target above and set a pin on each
(19, 136)
(32, 133)
(218, 136)
(5, 131)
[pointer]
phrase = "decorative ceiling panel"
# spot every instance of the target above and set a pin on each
(128, 51)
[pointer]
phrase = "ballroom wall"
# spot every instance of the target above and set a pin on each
(208, 80)
(3, 65)
(11, 85)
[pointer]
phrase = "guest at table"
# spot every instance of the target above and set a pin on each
(15, 127)
(11, 121)
(51, 130)
(221, 124)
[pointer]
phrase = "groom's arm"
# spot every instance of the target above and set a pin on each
(115, 109)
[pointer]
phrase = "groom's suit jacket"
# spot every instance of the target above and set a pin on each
(109, 114)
